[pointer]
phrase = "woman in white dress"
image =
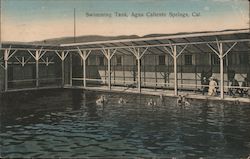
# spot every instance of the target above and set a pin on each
(212, 87)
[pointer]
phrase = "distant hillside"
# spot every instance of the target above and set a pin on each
(88, 38)
(93, 38)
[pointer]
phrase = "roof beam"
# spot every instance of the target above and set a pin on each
(213, 49)
(122, 49)
(139, 46)
(157, 48)
(162, 45)
(183, 48)
(194, 45)
(147, 49)
(229, 49)
(247, 46)
(162, 37)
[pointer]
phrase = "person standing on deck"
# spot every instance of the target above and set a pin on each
(204, 84)
(245, 90)
(212, 87)
(233, 91)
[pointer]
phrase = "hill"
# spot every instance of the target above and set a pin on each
(93, 38)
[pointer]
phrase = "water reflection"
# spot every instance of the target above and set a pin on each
(70, 124)
(78, 99)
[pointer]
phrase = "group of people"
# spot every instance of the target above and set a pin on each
(236, 89)
(181, 101)
(209, 85)
(103, 100)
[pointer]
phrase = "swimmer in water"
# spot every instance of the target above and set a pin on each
(122, 101)
(182, 101)
(179, 100)
(102, 100)
(161, 98)
(151, 102)
(185, 102)
(237, 102)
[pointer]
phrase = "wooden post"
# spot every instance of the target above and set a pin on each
(175, 71)
(37, 67)
(221, 55)
(181, 73)
(144, 73)
(105, 73)
(196, 80)
(84, 73)
(138, 56)
(123, 72)
(221, 71)
(168, 70)
(173, 53)
(6, 70)
(114, 73)
(109, 56)
(70, 70)
(155, 69)
(63, 76)
(139, 73)
(84, 56)
(109, 70)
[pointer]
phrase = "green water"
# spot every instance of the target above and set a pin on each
(64, 123)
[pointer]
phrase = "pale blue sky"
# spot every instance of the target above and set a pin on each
(27, 20)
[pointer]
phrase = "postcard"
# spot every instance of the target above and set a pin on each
(124, 79)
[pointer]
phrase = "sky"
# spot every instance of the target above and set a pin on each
(31, 20)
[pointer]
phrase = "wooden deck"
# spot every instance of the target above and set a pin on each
(167, 93)
(145, 91)
(30, 89)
